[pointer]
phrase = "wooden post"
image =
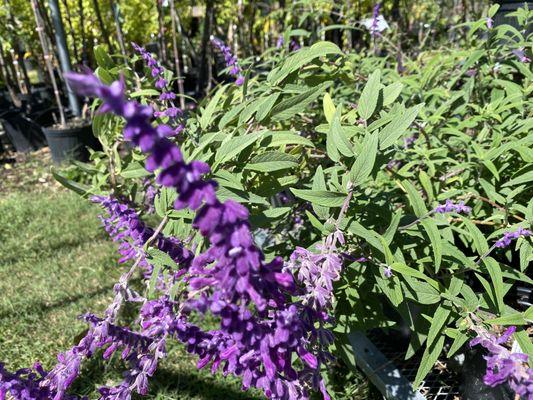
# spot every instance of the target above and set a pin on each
(161, 34)
(203, 76)
(179, 76)
(7, 79)
(42, 38)
(120, 36)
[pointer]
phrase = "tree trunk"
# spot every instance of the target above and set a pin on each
(179, 77)
(62, 49)
(40, 30)
(105, 34)
(162, 44)
(203, 76)
(116, 15)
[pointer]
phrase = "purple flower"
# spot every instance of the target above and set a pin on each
(521, 55)
(450, 206)
(261, 333)
(504, 366)
(490, 22)
(231, 60)
(387, 272)
(377, 23)
(508, 237)
(124, 225)
(280, 42)
(409, 141)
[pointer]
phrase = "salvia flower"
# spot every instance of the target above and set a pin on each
(490, 22)
(156, 70)
(387, 272)
(450, 206)
(231, 60)
(261, 333)
(377, 23)
(503, 365)
(521, 55)
(280, 42)
(508, 237)
(161, 83)
(125, 226)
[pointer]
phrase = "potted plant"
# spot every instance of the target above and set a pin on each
(68, 138)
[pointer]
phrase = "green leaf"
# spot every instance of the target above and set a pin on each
(295, 104)
(397, 127)
(76, 187)
(363, 165)
(281, 138)
(134, 170)
(509, 319)
(207, 114)
(272, 161)
(480, 243)
(266, 107)
(519, 180)
(458, 342)
(301, 58)
(321, 197)
(406, 270)
(429, 358)
(164, 201)
(437, 322)
(144, 93)
(423, 293)
(329, 107)
(337, 136)
(319, 183)
(102, 58)
(419, 207)
(496, 278)
(433, 233)
(391, 93)
(369, 97)
(523, 339)
(234, 146)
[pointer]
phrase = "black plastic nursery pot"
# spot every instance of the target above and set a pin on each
(509, 6)
(23, 133)
(70, 143)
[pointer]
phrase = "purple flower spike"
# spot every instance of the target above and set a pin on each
(231, 60)
(261, 333)
(377, 23)
(503, 365)
(508, 237)
(450, 206)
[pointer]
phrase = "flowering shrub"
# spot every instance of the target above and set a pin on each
(310, 199)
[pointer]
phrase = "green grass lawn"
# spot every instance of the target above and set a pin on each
(56, 263)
